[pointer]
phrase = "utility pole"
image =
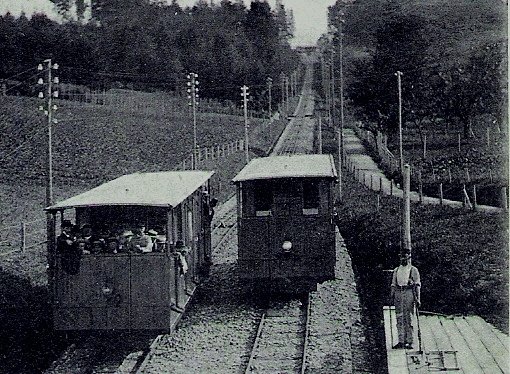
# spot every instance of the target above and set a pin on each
(287, 92)
(50, 107)
(341, 98)
(406, 214)
(269, 86)
(193, 97)
(399, 80)
(332, 82)
(282, 80)
(245, 95)
(320, 135)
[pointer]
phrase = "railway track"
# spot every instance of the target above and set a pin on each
(298, 137)
(273, 354)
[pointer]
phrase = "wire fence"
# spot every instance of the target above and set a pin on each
(461, 183)
(150, 102)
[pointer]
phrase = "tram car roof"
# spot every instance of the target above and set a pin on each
(162, 189)
(288, 166)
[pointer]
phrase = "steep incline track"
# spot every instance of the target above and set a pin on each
(298, 136)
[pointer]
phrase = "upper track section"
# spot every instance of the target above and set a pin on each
(298, 136)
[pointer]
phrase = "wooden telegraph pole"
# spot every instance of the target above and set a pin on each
(399, 79)
(245, 107)
(406, 214)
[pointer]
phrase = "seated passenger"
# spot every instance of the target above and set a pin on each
(86, 235)
(81, 246)
(153, 234)
(124, 240)
(97, 246)
(140, 242)
(112, 245)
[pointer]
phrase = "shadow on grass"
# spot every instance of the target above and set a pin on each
(29, 343)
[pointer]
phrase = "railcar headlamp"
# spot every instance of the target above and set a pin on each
(287, 246)
(106, 290)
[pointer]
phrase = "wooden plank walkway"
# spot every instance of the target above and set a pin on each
(465, 344)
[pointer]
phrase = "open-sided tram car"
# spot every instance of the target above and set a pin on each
(286, 231)
(121, 289)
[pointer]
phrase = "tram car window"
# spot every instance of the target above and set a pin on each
(125, 270)
(286, 232)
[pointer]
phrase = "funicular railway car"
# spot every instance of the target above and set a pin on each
(138, 247)
(286, 231)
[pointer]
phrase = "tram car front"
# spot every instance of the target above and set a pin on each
(286, 230)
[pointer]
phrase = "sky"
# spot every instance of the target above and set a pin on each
(310, 16)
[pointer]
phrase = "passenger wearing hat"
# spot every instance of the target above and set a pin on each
(70, 255)
(181, 251)
(112, 245)
(153, 235)
(65, 240)
(405, 292)
(124, 239)
(86, 234)
(140, 242)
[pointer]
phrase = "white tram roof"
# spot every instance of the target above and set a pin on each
(163, 189)
(288, 166)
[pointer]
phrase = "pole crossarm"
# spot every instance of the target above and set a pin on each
(245, 95)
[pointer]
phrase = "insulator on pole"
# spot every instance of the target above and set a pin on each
(40, 81)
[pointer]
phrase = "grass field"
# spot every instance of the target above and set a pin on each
(440, 154)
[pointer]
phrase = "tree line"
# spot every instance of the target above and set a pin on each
(144, 44)
(452, 56)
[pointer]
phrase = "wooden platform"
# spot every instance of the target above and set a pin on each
(448, 344)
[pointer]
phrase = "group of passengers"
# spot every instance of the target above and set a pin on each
(84, 241)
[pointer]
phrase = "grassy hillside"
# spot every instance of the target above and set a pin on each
(457, 26)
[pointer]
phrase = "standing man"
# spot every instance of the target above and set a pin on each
(405, 292)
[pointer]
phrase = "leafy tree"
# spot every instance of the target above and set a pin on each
(476, 87)
(401, 45)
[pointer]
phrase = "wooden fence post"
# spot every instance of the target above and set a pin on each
(450, 174)
(440, 193)
(504, 202)
(424, 146)
(474, 196)
(380, 185)
(371, 181)
(420, 186)
(23, 236)
(466, 200)
(391, 187)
